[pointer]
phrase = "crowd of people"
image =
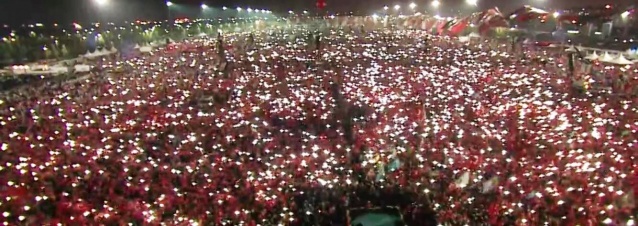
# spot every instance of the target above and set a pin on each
(275, 129)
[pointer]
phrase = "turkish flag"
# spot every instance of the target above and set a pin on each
(458, 27)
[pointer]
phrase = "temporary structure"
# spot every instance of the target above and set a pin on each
(606, 57)
(102, 52)
(621, 60)
(88, 54)
(592, 56)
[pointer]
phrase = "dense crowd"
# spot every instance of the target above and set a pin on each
(277, 129)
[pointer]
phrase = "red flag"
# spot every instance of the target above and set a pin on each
(444, 26)
(458, 26)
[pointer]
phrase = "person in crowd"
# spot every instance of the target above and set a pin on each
(468, 135)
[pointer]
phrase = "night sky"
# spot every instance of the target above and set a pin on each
(15, 12)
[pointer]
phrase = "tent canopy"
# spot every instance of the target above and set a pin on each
(606, 57)
(592, 56)
(621, 60)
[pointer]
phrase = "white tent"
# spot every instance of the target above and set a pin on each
(464, 38)
(137, 46)
(101, 52)
(606, 57)
(621, 60)
(592, 56)
(88, 54)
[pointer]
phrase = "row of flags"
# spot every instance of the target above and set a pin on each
(485, 21)
(493, 17)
